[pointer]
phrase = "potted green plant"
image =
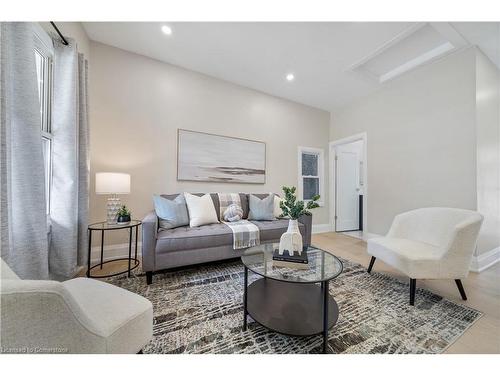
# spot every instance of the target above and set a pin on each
(123, 215)
(291, 240)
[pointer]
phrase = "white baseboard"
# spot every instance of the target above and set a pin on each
(114, 252)
(483, 261)
(321, 228)
(361, 235)
(368, 235)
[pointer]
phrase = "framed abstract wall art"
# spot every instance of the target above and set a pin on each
(217, 158)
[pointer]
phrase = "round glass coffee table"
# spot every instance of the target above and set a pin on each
(290, 301)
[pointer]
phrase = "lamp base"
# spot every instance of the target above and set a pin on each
(113, 205)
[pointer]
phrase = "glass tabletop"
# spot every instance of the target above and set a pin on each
(103, 225)
(323, 266)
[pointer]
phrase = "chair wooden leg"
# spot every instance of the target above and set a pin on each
(372, 262)
(461, 289)
(413, 287)
(149, 277)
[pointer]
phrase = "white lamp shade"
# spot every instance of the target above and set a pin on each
(112, 183)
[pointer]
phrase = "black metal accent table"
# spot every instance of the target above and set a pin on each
(291, 301)
(103, 227)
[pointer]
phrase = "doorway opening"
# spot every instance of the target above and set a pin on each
(349, 185)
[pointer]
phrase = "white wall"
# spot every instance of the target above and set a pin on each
(420, 139)
(488, 151)
(137, 104)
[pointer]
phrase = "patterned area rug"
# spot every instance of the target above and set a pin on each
(199, 310)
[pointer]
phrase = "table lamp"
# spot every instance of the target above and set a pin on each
(112, 184)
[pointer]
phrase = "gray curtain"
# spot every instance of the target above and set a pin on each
(70, 165)
(23, 209)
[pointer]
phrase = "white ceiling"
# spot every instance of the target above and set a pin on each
(259, 55)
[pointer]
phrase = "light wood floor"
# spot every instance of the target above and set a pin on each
(483, 291)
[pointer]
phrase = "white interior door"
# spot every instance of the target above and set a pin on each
(347, 181)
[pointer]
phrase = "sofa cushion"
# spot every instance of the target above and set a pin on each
(214, 196)
(261, 208)
(187, 238)
(171, 213)
(214, 235)
(272, 230)
(201, 210)
(259, 195)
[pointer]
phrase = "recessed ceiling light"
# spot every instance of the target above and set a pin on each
(166, 30)
(290, 77)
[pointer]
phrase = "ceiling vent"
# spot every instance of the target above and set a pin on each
(421, 43)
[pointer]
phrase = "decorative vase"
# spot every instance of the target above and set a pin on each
(291, 240)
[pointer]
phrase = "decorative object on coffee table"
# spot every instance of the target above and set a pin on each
(123, 215)
(290, 301)
(298, 261)
(112, 184)
(291, 240)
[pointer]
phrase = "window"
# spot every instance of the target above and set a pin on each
(311, 173)
(43, 59)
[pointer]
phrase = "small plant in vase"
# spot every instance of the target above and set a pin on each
(291, 240)
(123, 215)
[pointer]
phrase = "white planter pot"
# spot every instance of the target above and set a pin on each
(291, 240)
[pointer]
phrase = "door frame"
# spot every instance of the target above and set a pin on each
(333, 176)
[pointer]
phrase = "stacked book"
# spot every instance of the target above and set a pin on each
(290, 261)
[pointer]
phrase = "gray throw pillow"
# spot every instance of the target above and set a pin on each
(261, 209)
(172, 213)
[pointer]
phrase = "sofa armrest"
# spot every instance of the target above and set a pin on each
(149, 230)
(306, 220)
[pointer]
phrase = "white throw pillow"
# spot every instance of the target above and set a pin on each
(201, 210)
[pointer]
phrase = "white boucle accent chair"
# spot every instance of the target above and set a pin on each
(76, 316)
(429, 243)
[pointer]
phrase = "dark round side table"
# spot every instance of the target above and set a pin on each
(103, 227)
(290, 301)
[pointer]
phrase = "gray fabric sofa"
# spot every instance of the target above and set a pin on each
(164, 249)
